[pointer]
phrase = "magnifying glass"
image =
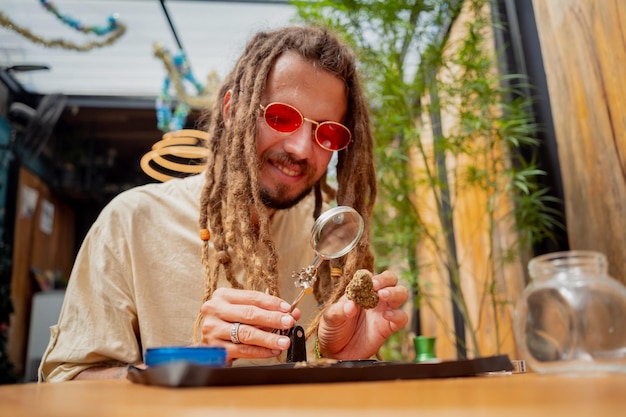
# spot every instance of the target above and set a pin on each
(335, 233)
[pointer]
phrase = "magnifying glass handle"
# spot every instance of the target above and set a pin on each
(317, 261)
(306, 290)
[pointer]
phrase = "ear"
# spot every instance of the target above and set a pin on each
(226, 107)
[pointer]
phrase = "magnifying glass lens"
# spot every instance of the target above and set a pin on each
(336, 232)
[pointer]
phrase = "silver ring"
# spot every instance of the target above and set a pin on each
(234, 333)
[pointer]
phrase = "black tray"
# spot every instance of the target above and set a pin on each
(185, 374)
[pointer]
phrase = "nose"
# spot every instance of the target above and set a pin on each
(301, 142)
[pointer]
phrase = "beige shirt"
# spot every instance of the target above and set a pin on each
(138, 280)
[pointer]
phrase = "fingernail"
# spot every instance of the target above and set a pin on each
(276, 352)
(376, 284)
(286, 320)
(388, 314)
(383, 294)
(283, 342)
(285, 306)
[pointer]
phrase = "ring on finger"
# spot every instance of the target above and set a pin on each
(234, 333)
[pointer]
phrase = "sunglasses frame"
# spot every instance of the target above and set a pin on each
(305, 119)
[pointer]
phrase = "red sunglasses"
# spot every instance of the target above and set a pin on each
(284, 118)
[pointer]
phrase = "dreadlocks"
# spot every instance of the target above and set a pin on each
(232, 186)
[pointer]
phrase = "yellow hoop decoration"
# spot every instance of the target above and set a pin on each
(187, 133)
(187, 145)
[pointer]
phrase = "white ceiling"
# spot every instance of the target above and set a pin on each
(212, 33)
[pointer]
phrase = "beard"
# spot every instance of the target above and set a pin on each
(273, 200)
(279, 196)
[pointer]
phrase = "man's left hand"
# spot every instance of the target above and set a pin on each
(349, 332)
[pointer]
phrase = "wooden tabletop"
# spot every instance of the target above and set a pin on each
(499, 395)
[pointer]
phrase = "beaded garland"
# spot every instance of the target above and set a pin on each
(119, 30)
(210, 89)
(166, 120)
(178, 69)
(70, 21)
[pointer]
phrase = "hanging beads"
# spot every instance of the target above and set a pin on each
(178, 71)
(114, 34)
(70, 21)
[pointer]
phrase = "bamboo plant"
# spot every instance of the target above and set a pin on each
(450, 131)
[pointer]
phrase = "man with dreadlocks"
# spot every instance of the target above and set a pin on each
(292, 99)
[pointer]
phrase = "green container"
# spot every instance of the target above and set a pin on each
(425, 349)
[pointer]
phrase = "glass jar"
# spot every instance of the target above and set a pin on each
(571, 318)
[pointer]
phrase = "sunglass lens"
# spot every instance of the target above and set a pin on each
(333, 136)
(282, 118)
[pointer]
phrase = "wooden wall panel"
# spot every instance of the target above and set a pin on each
(34, 247)
(583, 44)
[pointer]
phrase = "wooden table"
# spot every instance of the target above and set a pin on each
(528, 395)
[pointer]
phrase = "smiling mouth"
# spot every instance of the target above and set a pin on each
(288, 166)
(286, 170)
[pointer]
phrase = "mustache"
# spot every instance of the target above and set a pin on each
(283, 158)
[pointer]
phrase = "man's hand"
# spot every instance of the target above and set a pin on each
(349, 332)
(242, 322)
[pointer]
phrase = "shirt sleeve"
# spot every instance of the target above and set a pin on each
(98, 321)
